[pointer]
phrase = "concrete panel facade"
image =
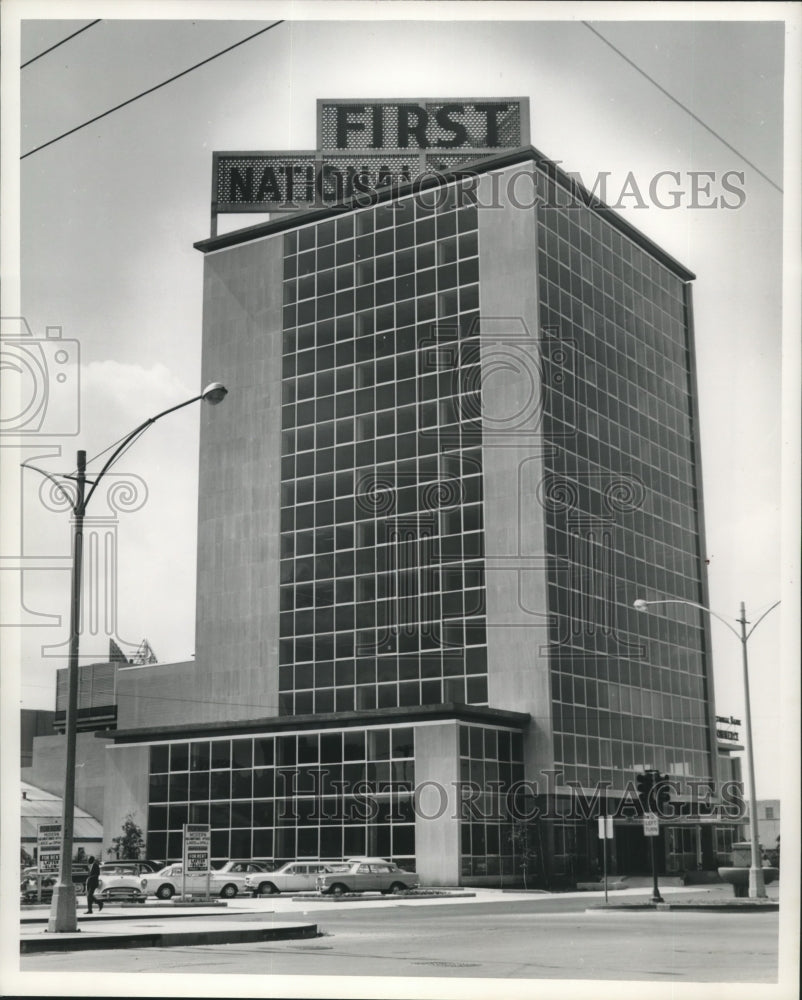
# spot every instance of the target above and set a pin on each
(512, 455)
(236, 673)
(127, 777)
(154, 694)
(437, 830)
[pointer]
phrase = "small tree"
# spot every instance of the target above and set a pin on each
(25, 859)
(130, 846)
(523, 844)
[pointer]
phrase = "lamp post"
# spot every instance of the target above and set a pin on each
(63, 918)
(757, 888)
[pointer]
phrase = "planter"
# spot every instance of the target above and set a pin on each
(738, 878)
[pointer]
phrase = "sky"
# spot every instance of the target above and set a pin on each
(107, 217)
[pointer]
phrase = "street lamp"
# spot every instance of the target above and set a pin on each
(63, 918)
(757, 888)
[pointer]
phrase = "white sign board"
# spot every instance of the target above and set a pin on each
(48, 842)
(605, 827)
(197, 839)
(651, 825)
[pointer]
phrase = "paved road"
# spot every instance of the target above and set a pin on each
(516, 939)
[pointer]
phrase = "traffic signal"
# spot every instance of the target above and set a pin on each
(644, 783)
(662, 794)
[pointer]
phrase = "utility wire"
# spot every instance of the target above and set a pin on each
(63, 40)
(687, 110)
(150, 90)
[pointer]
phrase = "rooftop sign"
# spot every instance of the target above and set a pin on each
(444, 124)
(364, 145)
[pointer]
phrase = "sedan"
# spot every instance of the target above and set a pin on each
(35, 884)
(295, 876)
(134, 867)
(121, 883)
(373, 876)
(169, 881)
(239, 871)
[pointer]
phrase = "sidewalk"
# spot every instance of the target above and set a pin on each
(712, 896)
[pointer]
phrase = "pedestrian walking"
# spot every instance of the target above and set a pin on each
(91, 884)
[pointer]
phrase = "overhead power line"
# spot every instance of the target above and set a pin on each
(686, 109)
(151, 90)
(63, 40)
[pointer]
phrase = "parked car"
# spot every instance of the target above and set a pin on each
(136, 867)
(139, 866)
(295, 876)
(167, 882)
(120, 882)
(368, 876)
(238, 871)
(29, 891)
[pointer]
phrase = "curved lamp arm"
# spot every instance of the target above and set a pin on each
(53, 480)
(752, 629)
(212, 394)
(642, 605)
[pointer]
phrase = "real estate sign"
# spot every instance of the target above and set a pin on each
(197, 838)
(48, 843)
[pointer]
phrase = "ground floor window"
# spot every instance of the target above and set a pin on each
(325, 795)
(725, 837)
(491, 763)
(683, 849)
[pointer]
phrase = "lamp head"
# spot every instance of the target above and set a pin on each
(641, 605)
(214, 393)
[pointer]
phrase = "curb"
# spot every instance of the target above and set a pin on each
(400, 898)
(770, 907)
(138, 915)
(165, 939)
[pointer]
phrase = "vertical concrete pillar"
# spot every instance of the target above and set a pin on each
(437, 827)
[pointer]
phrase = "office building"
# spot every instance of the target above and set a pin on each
(461, 438)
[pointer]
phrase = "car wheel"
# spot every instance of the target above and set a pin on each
(267, 889)
(228, 891)
(165, 892)
(398, 888)
(338, 889)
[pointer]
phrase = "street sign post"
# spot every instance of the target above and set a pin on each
(605, 834)
(651, 828)
(196, 855)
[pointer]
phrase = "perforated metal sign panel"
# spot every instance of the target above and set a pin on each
(359, 174)
(263, 182)
(270, 182)
(427, 123)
